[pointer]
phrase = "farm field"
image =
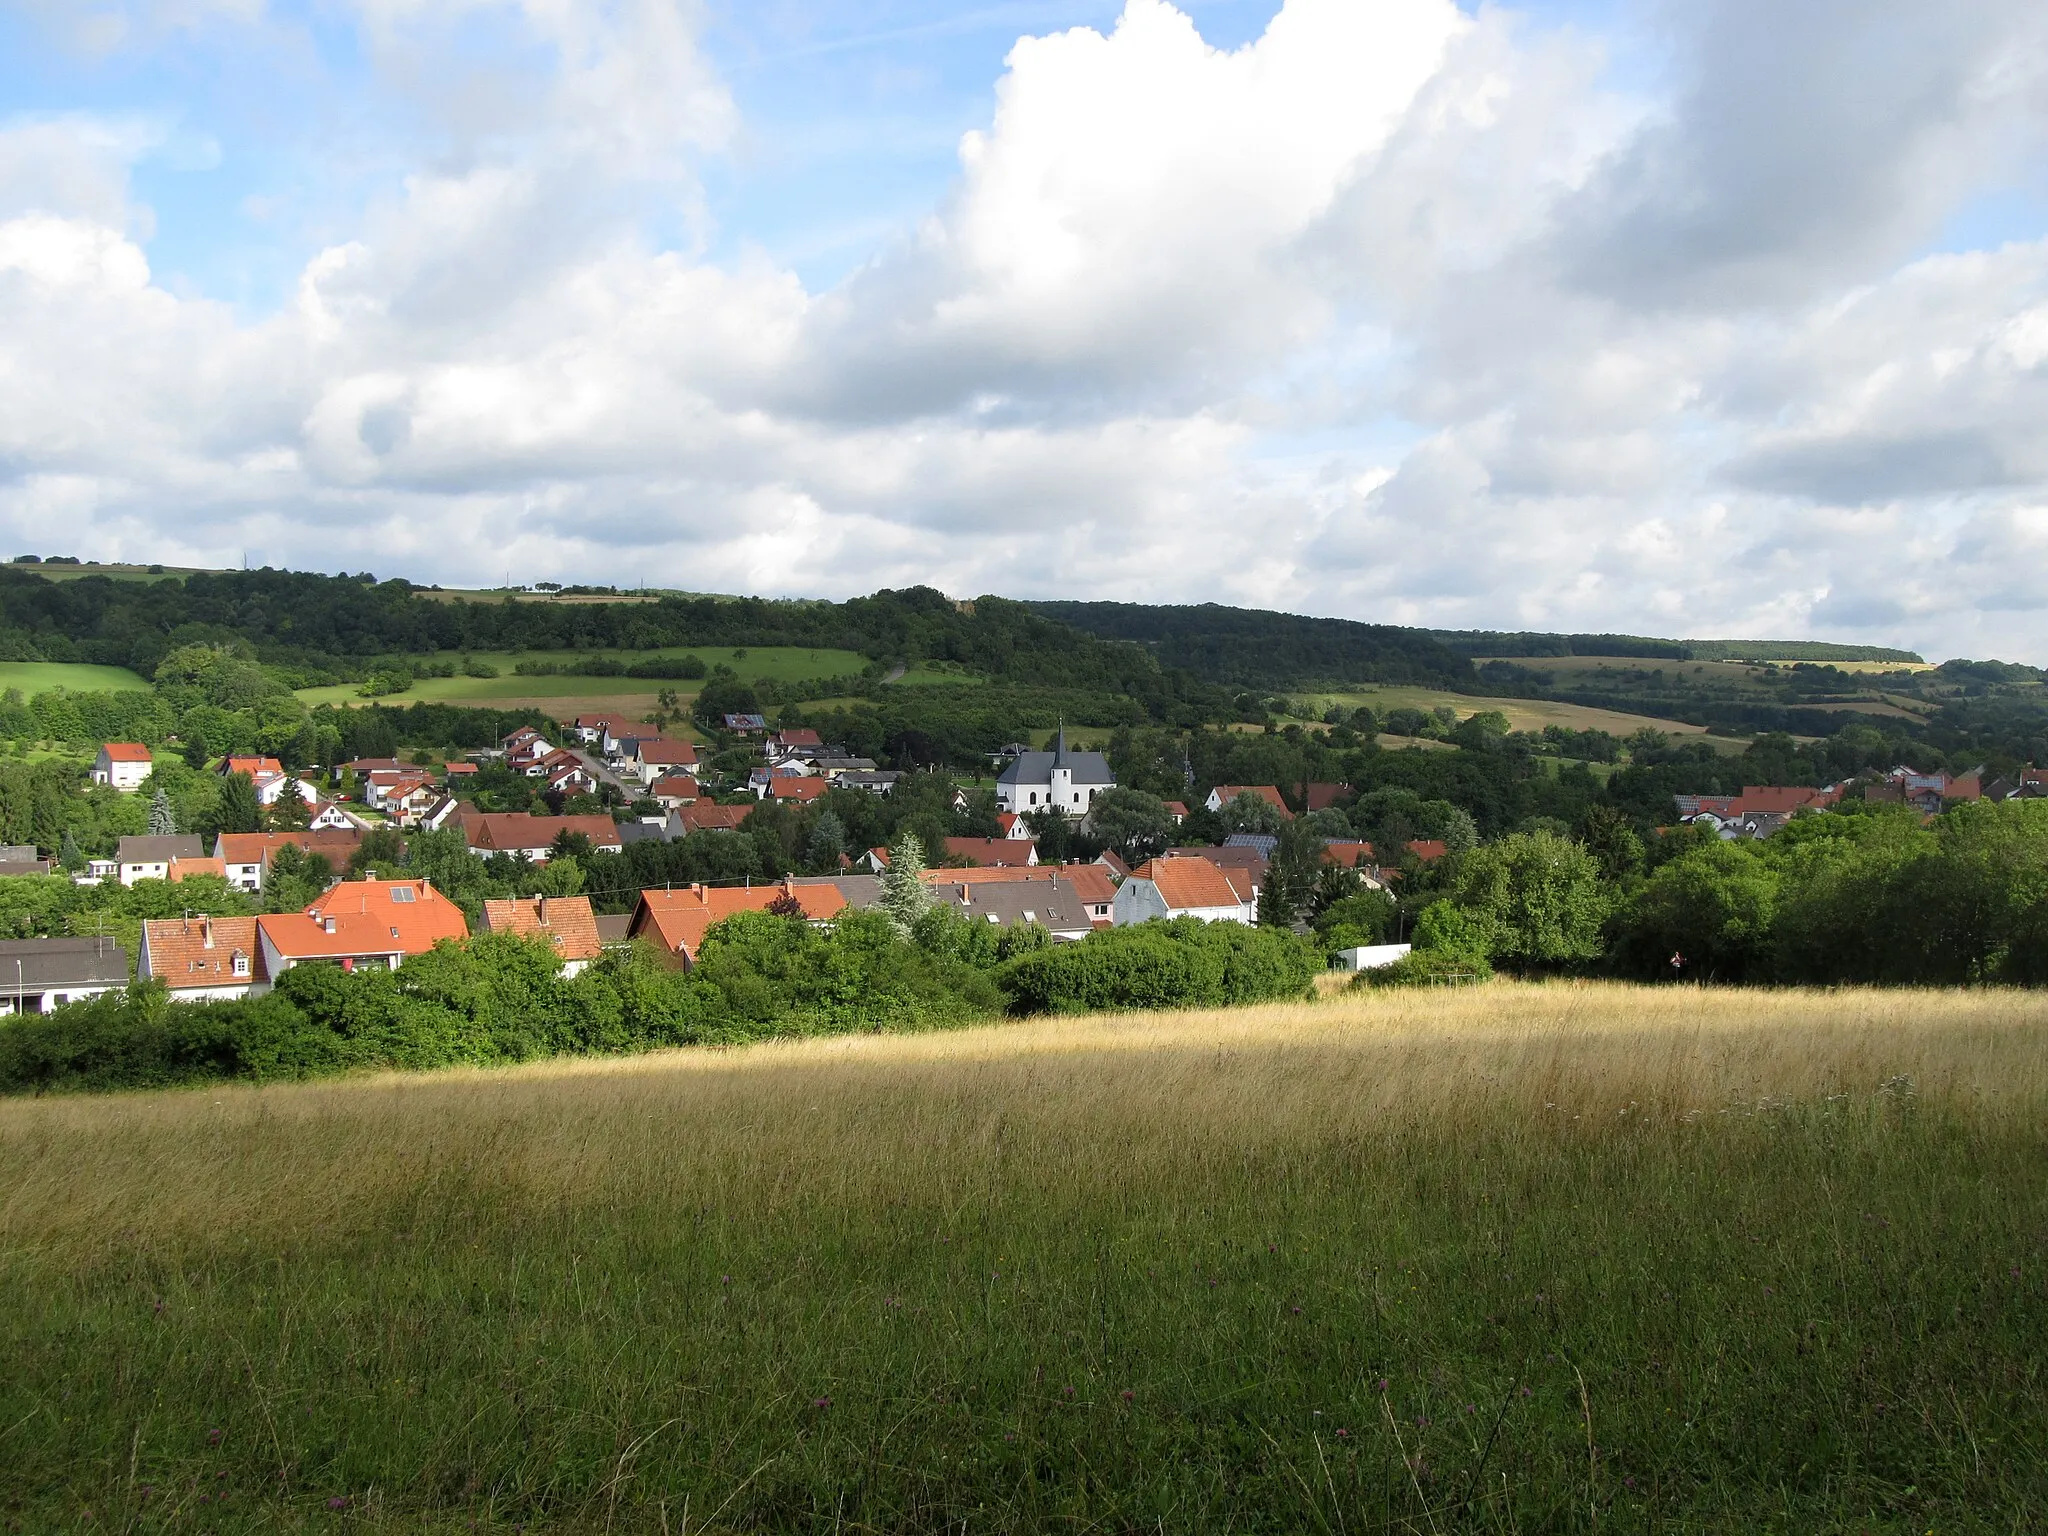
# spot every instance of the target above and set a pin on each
(1722, 673)
(579, 694)
(42, 676)
(1523, 714)
(1559, 1258)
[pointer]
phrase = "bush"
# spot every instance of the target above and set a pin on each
(1184, 963)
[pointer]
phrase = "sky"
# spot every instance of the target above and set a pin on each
(1700, 319)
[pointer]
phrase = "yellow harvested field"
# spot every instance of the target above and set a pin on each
(1523, 714)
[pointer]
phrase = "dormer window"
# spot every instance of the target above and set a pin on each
(241, 963)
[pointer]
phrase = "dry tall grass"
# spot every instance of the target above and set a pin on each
(1119, 1273)
(853, 1117)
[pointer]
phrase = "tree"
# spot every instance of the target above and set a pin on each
(905, 897)
(162, 823)
(1707, 915)
(827, 842)
(195, 750)
(238, 811)
(1540, 897)
(1611, 838)
(1252, 813)
(1135, 824)
(68, 857)
(291, 813)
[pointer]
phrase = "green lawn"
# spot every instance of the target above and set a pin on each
(1523, 714)
(41, 676)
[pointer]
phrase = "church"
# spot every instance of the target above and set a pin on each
(1037, 781)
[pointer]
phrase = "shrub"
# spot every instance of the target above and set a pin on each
(1184, 963)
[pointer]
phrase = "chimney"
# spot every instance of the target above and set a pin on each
(327, 924)
(206, 928)
(541, 910)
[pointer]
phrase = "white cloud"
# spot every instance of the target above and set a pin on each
(1395, 312)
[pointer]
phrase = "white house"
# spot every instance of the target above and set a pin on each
(1369, 957)
(122, 765)
(204, 959)
(1183, 888)
(1068, 781)
(37, 975)
(149, 858)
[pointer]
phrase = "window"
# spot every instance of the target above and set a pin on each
(401, 893)
(241, 965)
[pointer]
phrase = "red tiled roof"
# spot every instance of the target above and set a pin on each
(706, 817)
(799, 790)
(522, 832)
(1178, 810)
(1320, 797)
(799, 738)
(1428, 849)
(993, 852)
(126, 752)
(259, 847)
(1225, 793)
(677, 919)
(1091, 880)
(658, 750)
(1347, 854)
(674, 786)
(566, 921)
(189, 952)
(370, 917)
(1189, 883)
(185, 869)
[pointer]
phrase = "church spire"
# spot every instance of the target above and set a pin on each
(1059, 751)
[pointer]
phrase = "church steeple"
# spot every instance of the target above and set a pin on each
(1059, 751)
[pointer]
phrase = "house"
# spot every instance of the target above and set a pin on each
(703, 816)
(383, 786)
(1768, 807)
(1223, 794)
(655, 757)
(1108, 862)
(122, 765)
(1177, 811)
(591, 729)
(1096, 884)
(418, 802)
(245, 856)
(204, 959)
(1010, 824)
(790, 743)
(836, 765)
(360, 924)
(1263, 842)
(567, 923)
(674, 789)
(531, 837)
(1059, 779)
(1428, 849)
(570, 778)
(1349, 853)
(614, 930)
(363, 767)
(796, 791)
(524, 747)
(1169, 887)
(745, 725)
(1051, 902)
(270, 779)
(186, 869)
(37, 975)
(437, 815)
(871, 781)
(1321, 797)
(331, 815)
(992, 852)
(149, 858)
(675, 921)
(22, 861)
(1243, 867)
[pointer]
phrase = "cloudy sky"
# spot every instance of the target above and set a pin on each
(1685, 317)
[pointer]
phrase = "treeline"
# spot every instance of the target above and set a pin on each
(1864, 894)
(342, 624)
(498, 999)
(1248, 647)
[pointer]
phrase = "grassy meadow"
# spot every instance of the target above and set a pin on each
(1523, 714)
(786, 663)
(33, 677)
(1516, 1258)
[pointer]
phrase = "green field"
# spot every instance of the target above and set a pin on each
(42, 676)
(580, 694)
(1512, 1258)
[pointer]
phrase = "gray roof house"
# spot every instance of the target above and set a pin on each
(1054, 904)
(1037, 781)
(37, 975)
(149, 858)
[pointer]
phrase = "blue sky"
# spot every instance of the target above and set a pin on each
(1720, 318)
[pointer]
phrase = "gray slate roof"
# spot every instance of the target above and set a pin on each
(1036, 768)
(47, 963)
(160, 850)
(1053, 903)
